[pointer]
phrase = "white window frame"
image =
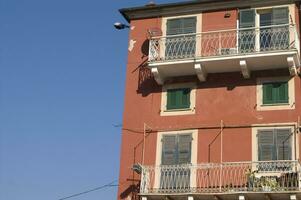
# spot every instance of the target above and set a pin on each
(257, 19)
(281, 106)
(294, 145)
(198, 30)
(194, 152)
(188, 111)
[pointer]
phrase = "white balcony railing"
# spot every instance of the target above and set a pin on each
(224, 43)
(263, 176)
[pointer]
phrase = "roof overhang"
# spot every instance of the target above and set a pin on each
(189, 7)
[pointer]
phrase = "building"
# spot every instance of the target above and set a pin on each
(212, 101)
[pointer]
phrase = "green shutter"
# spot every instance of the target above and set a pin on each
(280, 16)
(275, 93)
(169, 143)
(282, 92)
(266, 150)
(171, 99)
(178, 98)
(267, 93)
(184, 149)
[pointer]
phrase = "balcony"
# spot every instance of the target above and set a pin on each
(244, 50)
(254, 180)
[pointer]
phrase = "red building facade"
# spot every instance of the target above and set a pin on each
(212, 101)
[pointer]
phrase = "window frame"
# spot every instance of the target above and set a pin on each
(262, 10)
(198, 30)
(185, 111)
(274, 145)
(257, 127)
(193, 153)
(276, 106)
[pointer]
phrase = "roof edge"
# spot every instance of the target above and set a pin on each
(149, 11)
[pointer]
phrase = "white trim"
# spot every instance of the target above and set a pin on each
(291, 94)
(191, 110)
(159, 79)
(219, 58)
(199, 24)
(270, 126)
(194, 152)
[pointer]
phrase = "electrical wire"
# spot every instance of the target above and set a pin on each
(111, 184)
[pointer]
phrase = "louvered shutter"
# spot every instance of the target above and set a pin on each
(185, 98)
(184, 149)
(284, 141)
(266, 149)
(280, 39)
(189, 25)
(267, 93)
(181, 46)
(282, 92)
(247, 37)
(280, 16)
(274, 93)
(169, 150)
(181, 26)
(174, 27)
(178, 98)
(247, 18)
(171, 99)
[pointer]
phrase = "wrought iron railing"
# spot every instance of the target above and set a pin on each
(224, 43)
(263, 176)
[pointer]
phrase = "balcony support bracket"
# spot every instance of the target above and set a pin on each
(159, 79)
(292, 66)
(241, 197)
(244, 69)
(293, 197)
(200, 71)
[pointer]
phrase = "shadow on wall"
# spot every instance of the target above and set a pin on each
(131, 192)
(229, 80)
(146, 81)
(147, 84)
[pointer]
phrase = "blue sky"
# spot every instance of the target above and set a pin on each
(62, 75)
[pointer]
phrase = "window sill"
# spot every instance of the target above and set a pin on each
(183, 111)
(275, 104)
(278, 106)
(177, 110)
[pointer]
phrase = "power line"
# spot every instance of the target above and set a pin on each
(94, 189)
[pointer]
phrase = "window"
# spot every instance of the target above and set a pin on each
(176, 149)
(275, 93)
(183, 46)
(273, 25)
(178, 98)
(274, 144)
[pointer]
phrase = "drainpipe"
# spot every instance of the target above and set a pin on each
(221, 164)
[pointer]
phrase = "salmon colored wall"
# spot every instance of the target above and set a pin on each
(213, 21)
(228, 97)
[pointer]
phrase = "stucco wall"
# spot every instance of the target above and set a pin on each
(228, 97)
